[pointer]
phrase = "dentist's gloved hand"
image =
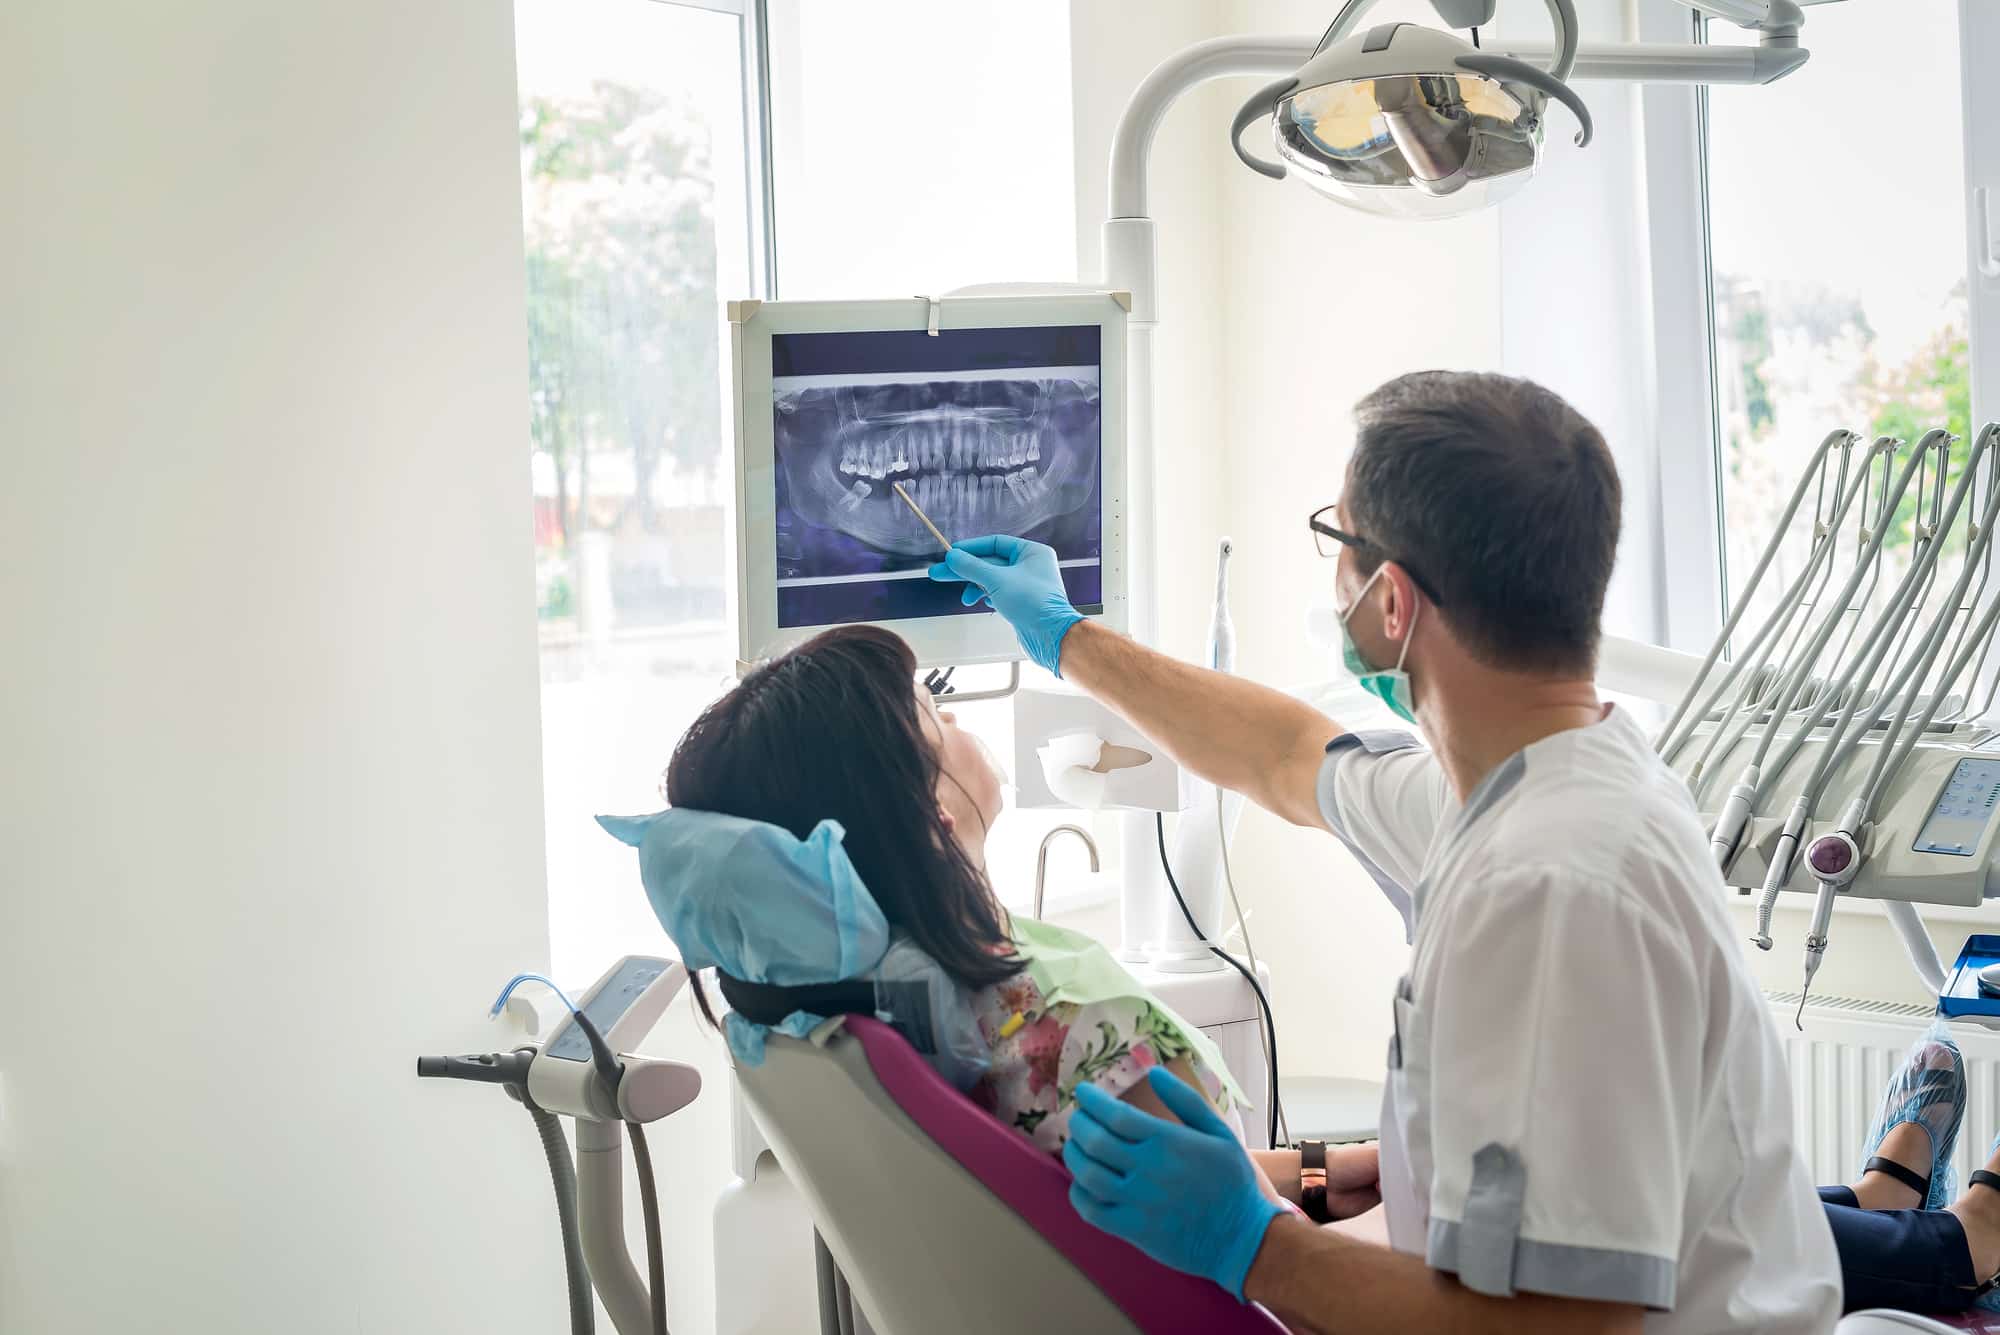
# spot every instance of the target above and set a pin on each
(1185, 1195)
(1024, 584)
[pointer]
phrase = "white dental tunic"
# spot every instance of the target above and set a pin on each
(1585, 1096)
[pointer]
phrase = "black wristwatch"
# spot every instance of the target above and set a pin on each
(1312, 1180)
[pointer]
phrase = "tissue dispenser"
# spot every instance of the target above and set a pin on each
(1065, 740)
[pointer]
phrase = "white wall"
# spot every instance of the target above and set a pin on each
(271, 809)
(1112, 52)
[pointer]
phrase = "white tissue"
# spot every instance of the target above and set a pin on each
(1067, 768)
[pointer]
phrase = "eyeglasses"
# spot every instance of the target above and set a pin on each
(1330, 540)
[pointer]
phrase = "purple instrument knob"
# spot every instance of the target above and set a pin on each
(1832, 857)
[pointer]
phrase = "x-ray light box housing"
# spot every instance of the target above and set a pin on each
(994, 414)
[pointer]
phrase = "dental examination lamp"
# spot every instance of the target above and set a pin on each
(1398, 120)
(1411, 122)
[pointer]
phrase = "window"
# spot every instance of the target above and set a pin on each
(643, 152)
(639, 213)
(1838, 245)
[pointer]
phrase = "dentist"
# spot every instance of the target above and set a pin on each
(1587, 1120)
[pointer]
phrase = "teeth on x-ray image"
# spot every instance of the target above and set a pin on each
(1014, 455)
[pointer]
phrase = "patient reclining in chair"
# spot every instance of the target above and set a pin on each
(837, 731)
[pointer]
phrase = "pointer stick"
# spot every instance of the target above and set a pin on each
(943, 541)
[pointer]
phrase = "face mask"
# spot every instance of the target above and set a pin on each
(1391, 686)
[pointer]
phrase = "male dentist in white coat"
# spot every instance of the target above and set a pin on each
(1587, 1120)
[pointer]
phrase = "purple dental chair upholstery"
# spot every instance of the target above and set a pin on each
(941, 1218)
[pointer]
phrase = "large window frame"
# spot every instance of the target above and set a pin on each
(1690, 467)
(754, 22)
(1674, 138)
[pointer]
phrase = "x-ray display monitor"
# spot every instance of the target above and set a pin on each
(992, 414)
(986, 430)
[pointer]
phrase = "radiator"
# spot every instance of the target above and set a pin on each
(1843, 1059)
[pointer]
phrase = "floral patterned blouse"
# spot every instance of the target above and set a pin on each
(1041, 1053)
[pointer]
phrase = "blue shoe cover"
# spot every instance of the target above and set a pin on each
(1928, 1089)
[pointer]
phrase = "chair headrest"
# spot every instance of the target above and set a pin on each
(748, 898)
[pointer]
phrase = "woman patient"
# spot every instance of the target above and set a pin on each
(839, 729)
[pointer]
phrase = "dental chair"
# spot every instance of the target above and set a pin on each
(942, 1219)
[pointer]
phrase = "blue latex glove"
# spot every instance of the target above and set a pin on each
(1185, 1195)
(1023, 582)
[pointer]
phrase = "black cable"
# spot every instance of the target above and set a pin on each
(656, 1261)
(1263, 1002)
(562, 1170)
(611, 1070)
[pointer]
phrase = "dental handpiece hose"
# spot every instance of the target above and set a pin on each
(1749, 664)
(1814, 469)
(1744, 798)
(1843, 738)
(1836, 858)
(1752, 697)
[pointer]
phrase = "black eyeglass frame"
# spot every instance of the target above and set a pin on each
(1368, 546)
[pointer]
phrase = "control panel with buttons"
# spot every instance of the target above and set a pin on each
(1963, 810)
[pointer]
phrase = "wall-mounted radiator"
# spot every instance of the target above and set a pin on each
(1843, 1059)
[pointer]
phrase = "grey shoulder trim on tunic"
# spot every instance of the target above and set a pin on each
(1496, 785)
(1376, 742)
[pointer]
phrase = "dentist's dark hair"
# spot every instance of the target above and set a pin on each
(1505, 497)
(832, 730)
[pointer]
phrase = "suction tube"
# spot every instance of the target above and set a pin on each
(1744, 799)
(562, 1172)
(1917, 943)
(1791, 601)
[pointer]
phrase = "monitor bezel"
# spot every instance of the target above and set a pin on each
(937, 641)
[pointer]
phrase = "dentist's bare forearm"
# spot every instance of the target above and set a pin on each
(1315, 1279)
(1234, 733)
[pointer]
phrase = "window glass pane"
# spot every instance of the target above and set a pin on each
(1836, 201)
(921, 146)
(633, 195)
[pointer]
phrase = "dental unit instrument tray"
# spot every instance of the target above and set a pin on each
(1963, 997)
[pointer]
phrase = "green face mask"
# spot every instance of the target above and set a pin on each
(1392, 685)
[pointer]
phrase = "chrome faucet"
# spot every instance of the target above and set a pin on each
(1042, 857)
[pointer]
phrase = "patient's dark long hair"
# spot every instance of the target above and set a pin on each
(833, 729)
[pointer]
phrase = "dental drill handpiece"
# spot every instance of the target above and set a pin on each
(1221, 630)
(1834, 859)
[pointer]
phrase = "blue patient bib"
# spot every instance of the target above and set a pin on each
(746, 897)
